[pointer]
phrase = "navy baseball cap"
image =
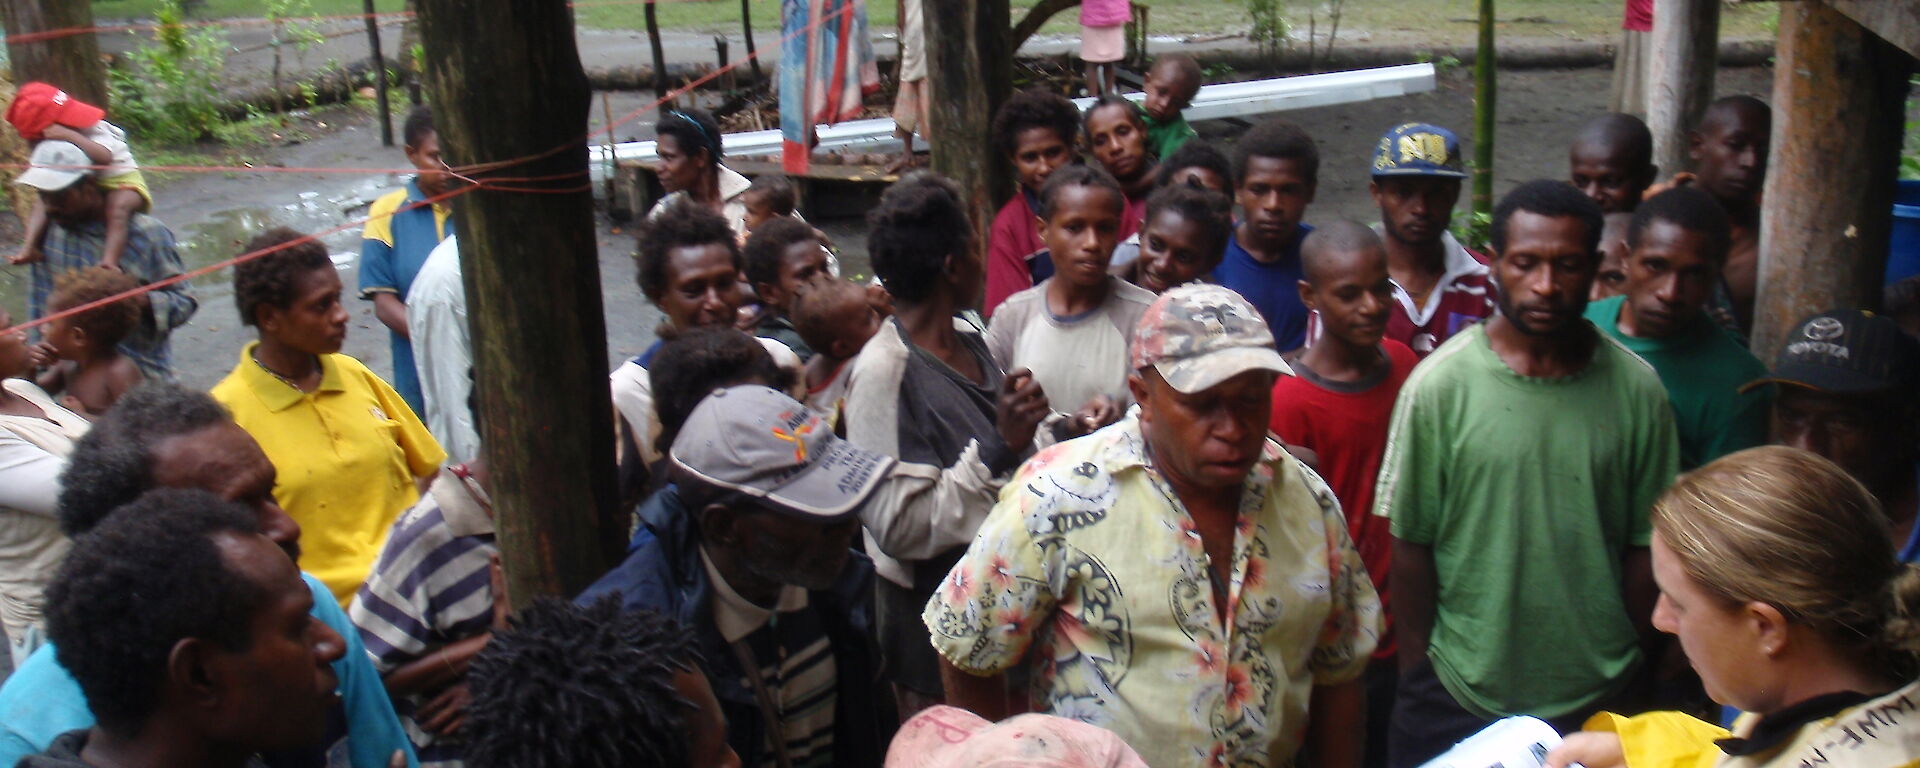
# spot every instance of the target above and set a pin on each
(1846, 351)
(1419, 149)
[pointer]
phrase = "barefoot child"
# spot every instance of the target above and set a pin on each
(1035, 130)
(1074, 329)
(836, 317)
(80, 351)
(42, 112)
(1172, 83)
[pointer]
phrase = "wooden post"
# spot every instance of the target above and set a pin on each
(71, 62)
(659, 55)
(1485, 85)
(379, 77)
(746, 24)
(506, 83)
(969, 69)
(1685, 46)
(1839, 99)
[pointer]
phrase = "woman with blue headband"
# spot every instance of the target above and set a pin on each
(688, 149)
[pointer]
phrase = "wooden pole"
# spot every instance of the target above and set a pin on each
(659, 55)
(746, 24)
(379, 76)
(506, 83)
(1685, 46)
(969, 69)
(1485, 87)
(71, 62)
(1839, 98)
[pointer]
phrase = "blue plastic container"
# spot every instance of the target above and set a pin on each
(1903, 248)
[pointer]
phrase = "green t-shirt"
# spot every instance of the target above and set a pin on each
(1530, 492)
(1166, 138)
(1703, 370)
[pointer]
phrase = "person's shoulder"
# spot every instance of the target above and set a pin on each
(349, 365)
(1401, 356)
(1021, 307)
(388, 202)
(1133, 296)
(231, 389)
(1629, 368)
(1453, 364)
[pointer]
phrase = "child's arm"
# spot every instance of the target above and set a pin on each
(54, 378)
(122, 203)
(123, 377)
(35, 236)
(98, 153)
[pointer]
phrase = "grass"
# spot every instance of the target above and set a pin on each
(1433, 21)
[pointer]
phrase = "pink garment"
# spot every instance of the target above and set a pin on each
(948, 737)
(1639, 16)
(1104, 13)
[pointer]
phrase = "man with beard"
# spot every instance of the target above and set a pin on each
(1521, 462)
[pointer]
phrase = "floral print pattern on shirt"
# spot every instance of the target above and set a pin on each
(1091, 574)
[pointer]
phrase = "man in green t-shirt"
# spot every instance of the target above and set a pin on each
(1677, 243)
(1521, 461)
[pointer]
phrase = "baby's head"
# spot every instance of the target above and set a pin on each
(1172, 83)
(835, 318)
(78, 336)
(769, 197)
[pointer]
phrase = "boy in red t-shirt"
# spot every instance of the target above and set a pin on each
(1338, 404)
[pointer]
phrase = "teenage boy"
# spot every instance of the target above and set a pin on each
(1611, 160)
(1276, 168)
(782, 257)
(1439, 287)
(1677, 243)
(1035, 130)
(396, 244)
(1337, 404)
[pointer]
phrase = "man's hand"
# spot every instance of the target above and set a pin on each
(1022, 406)
(1097, 413)
(26, 255)
(445, 713)
(1593, 749)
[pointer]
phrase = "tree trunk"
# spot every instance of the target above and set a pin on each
(746, 25)
(71, 62)
(1485, 85)
(969, 69)
(380, 80)
(1685, 45)
(659, 54)
(1839, 98)
(506, 83)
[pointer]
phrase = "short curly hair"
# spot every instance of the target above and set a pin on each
(148, 577)
(817, 310)
(1077, 176)
(920, 221)
(1691, 209)
(270, 280)
(107, 325)
(1278, 139)
(418, 126)
(683, 223)
(581, 686)
(1552, 198)
(698, 361)
(1205, 207)
(1132, 112)
(1034, 107)
(1196, 153)
(768, 245)
(112, 464)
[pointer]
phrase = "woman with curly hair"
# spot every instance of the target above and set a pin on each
(351, 455)
(35, 437)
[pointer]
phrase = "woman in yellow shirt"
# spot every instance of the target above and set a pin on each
(348, 450)
(1778, 574)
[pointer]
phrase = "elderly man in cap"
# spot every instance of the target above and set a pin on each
(1176, 578)
(751, 548)
(76, 239)
(1846, 382)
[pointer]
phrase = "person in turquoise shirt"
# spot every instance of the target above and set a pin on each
(397, 242)
(1171, 85)
(1677, 244)
(162, 434)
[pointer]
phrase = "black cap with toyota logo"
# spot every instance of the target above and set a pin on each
(1847, 351)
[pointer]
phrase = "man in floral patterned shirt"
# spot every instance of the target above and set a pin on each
(1176, 578)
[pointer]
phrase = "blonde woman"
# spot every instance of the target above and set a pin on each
(1778, 575)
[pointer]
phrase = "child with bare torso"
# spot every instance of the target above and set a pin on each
(79, 355)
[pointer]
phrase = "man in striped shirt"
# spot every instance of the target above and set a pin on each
(430, 605)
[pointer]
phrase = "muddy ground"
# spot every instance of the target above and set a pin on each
(213, 213)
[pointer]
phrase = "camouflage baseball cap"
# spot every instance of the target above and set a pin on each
(1200, 334)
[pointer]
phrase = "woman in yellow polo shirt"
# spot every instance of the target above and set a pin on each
(348, 450)
(1777, 572)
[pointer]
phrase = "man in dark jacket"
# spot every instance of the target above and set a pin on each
(752, 549)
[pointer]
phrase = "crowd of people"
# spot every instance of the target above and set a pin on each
(1198, 484)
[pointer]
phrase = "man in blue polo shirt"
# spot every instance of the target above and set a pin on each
(1277, 167)
(397, 242)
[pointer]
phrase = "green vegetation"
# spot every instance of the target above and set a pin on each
(169, 91)
(1432, 22)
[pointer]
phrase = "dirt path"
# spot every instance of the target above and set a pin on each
(215, 212)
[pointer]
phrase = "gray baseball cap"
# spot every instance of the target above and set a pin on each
(54, 166)
(758, 442)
